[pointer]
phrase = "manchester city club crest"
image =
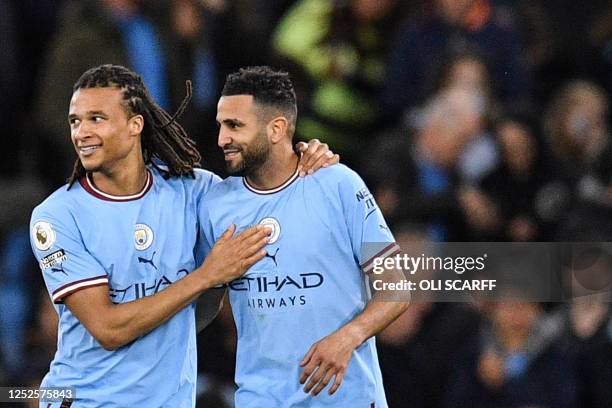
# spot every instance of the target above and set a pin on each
(143, 236)
(276, 228)
(44, 236)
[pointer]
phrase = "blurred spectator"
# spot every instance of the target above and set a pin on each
(156, 39)
(432, 171)
(578, 129)
(528, 188)
(453, 25)
(516, 364)
(468, 71)
(339, 48)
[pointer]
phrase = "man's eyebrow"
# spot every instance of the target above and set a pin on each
(232, 121)
(88, 113)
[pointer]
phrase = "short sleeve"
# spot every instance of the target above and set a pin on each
(66, 265)
(369, 234)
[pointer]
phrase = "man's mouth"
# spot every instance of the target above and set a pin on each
(88, 150)
(230, 154)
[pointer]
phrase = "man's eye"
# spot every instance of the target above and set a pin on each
(97, 119)
(74, 122)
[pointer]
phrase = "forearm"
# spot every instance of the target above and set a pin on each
(127, 321)
(375, 317)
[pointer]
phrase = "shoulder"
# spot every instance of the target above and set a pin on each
(224, 187)
(201, 181)
(205, 180)
(60, 203)
(58, 212)
(206, 176)
(336, 177)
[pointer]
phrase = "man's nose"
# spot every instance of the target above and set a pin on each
(81, 131)
(224, 139)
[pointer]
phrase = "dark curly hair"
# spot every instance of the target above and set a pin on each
(163, 138)
(269, 88)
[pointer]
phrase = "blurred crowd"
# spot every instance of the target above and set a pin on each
(470, 120)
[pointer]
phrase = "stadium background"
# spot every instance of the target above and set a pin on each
(469, 119)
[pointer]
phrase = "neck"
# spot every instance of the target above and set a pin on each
(279, 167)
(129, 181)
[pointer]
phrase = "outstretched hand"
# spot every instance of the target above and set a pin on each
(315, 155)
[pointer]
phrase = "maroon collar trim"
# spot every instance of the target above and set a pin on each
(88, 186)
(283, 186)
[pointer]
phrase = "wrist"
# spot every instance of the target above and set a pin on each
(355, 334)
(204, 280)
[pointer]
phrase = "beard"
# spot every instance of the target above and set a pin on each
(253, 157)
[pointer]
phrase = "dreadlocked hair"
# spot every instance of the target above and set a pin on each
(163, 139)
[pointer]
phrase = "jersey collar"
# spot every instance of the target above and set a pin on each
(271, 190)
(88, 186)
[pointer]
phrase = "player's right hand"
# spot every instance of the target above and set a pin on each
(232, 256)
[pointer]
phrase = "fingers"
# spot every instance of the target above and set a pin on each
(323, 383)
(318, 375)
(228, 233)
(308, 370)
(333, 159)
(318, 159)
(255, 238)
(307, 357)
(337, 382)
(256, 230)
(301, 146)
(307, 159)
(253, 259)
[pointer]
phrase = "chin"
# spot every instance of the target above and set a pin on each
(234, 169)
(90, 165)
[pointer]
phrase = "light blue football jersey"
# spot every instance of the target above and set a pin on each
(138, 245)
(309, 285)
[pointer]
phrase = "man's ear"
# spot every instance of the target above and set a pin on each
(277, 129)
(136, 124)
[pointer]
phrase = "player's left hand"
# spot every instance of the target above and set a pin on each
(314, 156)
(327, 358)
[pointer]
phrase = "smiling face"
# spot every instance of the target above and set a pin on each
(242, 134)
(103, 135)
